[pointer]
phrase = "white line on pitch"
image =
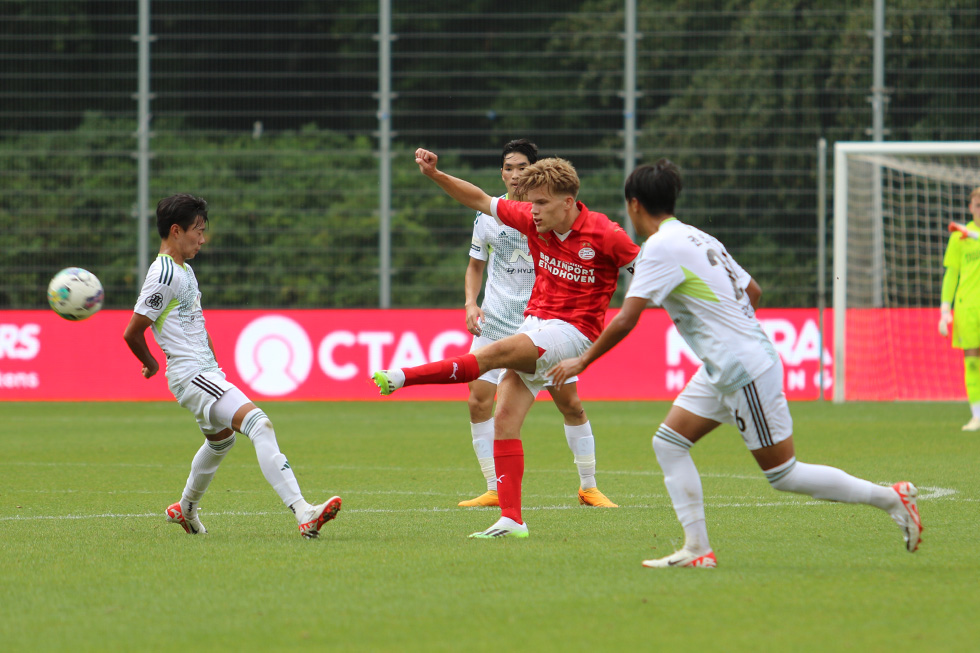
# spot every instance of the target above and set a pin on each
(925, 492)
(439, 509)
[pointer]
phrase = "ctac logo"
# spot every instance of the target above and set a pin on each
(273, 355)
(20, 341)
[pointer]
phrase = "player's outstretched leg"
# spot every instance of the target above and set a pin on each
(832, 484)
(313, 519)
(192, 525)
(907, 517)
(279, 474)
(460, 369)
(684, 558)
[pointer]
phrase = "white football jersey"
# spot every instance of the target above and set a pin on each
(172, 299)
(510, 275)
(692, 276)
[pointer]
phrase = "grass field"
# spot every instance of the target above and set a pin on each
(89, 563)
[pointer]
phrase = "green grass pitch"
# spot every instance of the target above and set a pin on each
(89, 564)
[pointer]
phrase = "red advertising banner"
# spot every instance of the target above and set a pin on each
(329, 355)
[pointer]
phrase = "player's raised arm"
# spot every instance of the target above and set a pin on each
(459, 189)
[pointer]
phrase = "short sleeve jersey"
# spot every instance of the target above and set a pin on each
(575, 274)
(702, 288)
(171, 298)
(510, 275)
(963, 256)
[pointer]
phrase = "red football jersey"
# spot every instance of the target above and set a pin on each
(574, 277)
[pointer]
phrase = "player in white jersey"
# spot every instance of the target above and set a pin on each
(712, 302)
(510, 277)
(170, 303)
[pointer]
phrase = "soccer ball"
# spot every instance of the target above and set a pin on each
(75, 294)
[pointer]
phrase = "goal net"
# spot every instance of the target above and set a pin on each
(893, 203)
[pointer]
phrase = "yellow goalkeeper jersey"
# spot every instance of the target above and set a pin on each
(962, 262)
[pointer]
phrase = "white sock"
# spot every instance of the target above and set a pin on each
(975, 409)
(483, 446)
(683, 483)
(397, 377)
(203, 467)
(831, 484)
(273, 463)
(582, 444)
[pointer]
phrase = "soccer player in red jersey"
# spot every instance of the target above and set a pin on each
(577, 256)
(503, 253)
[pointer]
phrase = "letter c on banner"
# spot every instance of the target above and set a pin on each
(326, 359)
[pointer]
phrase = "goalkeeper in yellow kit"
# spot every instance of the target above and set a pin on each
(961, 284)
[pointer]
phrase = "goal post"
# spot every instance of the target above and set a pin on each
(893, 203)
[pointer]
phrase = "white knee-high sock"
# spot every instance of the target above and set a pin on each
(273, 463)
(582, 443)
(830, 483)
(203, 468)
(683, 483)
(483, 446)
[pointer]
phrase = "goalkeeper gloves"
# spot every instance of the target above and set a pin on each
(945, 319)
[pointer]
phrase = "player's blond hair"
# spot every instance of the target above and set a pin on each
(974, 193)
(557, 175)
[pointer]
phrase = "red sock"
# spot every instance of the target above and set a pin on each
(461, 369)
(508, 459)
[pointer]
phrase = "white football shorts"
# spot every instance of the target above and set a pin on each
(494, 376)
(559, 340)
(758, 410)
(201, 397)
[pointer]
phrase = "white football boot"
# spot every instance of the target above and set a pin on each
(505, 527)
(684, 558)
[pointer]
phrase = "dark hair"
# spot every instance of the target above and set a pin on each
(522, 145)
(656, 187)
(181, 209)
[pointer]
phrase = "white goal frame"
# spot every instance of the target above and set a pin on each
(841, 152)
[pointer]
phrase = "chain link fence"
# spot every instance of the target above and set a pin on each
(272, 112)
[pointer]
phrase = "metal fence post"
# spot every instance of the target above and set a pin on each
(821, 250)
(384, 153)
(629, 98)
(143, 98)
